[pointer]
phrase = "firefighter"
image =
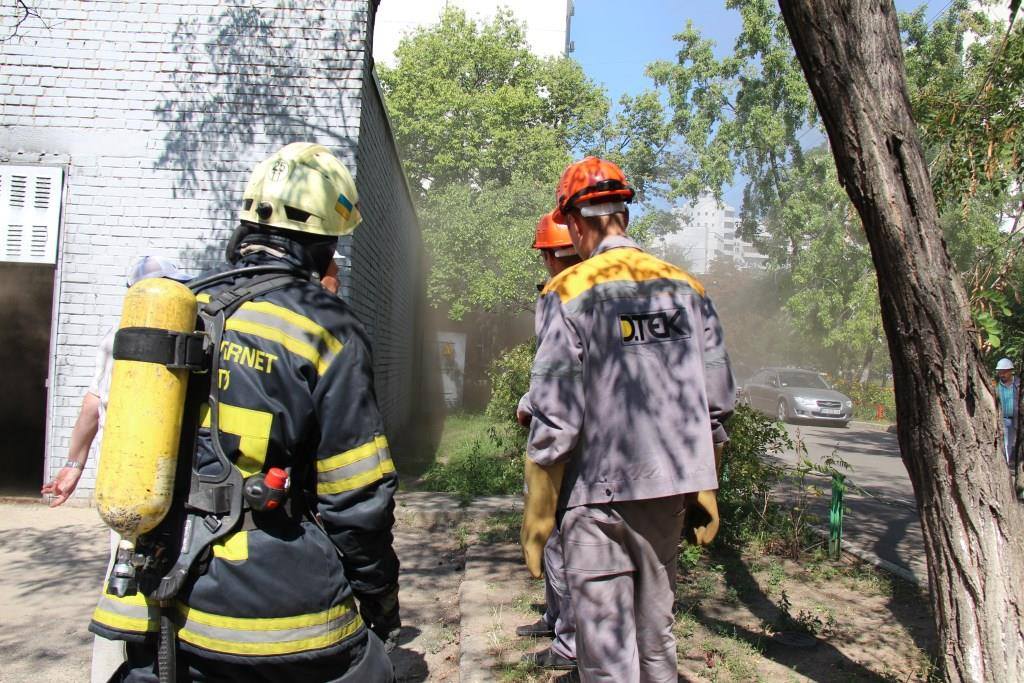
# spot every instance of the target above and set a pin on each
(276, 599)
(629, 389)
(558, 253)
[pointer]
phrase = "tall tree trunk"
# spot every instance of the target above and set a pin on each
(973, 528)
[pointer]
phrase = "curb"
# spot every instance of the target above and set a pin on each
(876, 561)
(434, 510)
(873, 426)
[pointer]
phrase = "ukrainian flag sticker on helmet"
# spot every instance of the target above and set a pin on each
(343, 207)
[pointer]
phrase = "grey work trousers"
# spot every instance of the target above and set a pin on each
(559, 615)
(620, 562)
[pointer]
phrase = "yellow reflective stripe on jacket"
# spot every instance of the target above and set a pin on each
(268, 636)
(131, 613)
(317, 336)
(296, 333)
(233, 548)
(616, 265)
(354, 468)
(252, 427)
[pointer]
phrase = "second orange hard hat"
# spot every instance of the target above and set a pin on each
(551, 234)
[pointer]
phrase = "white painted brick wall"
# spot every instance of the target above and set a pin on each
(163, 108)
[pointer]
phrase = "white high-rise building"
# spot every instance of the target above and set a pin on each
(547, 22)
(706, 232)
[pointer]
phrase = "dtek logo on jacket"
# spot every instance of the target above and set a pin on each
(652, 328)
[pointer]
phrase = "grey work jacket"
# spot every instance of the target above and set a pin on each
(631, 368)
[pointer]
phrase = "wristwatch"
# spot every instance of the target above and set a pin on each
(74, 464)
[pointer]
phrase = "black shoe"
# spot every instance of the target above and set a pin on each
(538, 629)
(548, 659)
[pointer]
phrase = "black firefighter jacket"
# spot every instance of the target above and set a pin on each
(296, 391)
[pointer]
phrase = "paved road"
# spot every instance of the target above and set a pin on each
(884, 523)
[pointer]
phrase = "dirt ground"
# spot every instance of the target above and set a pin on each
(432, 565)
(53, 563)
(867, 627)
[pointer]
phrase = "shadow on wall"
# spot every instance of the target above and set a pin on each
(252, 80)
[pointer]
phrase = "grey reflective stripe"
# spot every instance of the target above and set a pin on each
(325, 630)
(313, 340)
(125, 609)
(627, 289)
(366, 464)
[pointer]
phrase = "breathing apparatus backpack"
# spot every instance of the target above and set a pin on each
(148, 489)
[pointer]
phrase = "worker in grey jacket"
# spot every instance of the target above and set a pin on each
(558, 253)
(631, 372)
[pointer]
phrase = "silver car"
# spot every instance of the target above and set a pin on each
(794, 394)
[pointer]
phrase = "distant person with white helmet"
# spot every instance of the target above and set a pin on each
(1008, 395)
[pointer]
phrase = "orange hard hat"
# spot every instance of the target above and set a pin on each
(551, 234)
(587, 181)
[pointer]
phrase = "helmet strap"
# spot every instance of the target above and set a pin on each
(233, 250)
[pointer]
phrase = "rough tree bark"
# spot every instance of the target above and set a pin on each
(973, 527)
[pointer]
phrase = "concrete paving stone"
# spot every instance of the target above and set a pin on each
(495, 578)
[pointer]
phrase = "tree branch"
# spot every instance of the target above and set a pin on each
(23, 13)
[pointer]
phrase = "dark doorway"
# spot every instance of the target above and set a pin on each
(26, 299)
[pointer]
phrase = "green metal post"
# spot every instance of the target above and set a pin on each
(835, 516)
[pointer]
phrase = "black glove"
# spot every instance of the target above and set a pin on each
(380, 612)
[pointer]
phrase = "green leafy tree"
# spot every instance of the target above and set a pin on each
(742, 114)
(833, 297)
(485, 128)
(471, 104)
(479, 241)
(748, 113)
(638, 139)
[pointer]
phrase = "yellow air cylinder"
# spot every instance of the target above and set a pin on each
(139, 453)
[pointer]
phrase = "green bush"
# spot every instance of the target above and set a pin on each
(489, 465)
(748, 476)
(866, 396)
(510, 379)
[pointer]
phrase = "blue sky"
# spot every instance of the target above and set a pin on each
(616, 40)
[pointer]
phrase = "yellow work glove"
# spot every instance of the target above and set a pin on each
(701, 517)
(542, 487)
(702, 520)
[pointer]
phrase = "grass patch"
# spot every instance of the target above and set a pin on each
(502, 527)
(479, 456)
(521, 673)
(460, 431)
(726, 654)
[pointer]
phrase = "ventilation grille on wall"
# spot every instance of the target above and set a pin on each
(30, 198)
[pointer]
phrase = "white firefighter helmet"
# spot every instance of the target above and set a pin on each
(303, 188)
